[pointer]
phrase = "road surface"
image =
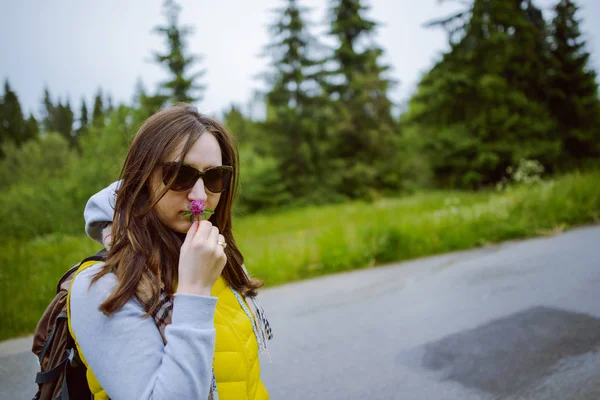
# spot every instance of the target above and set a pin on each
(520, 320)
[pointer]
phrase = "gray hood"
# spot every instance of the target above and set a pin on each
(99, 211)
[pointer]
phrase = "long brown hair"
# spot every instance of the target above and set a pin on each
(144, 253)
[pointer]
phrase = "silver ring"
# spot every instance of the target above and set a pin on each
(222, 243)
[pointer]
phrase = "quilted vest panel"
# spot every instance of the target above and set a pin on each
(237, 367)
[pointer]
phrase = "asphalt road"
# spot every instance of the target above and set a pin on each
(520, 320)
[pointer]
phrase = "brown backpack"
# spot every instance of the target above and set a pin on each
(62, 373)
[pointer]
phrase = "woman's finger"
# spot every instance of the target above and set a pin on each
(204, 230)
(214, 235)
(222, 240)
(190, 234)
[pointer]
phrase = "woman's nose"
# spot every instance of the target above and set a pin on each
(198, 192)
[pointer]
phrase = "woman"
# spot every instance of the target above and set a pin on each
(146, 322)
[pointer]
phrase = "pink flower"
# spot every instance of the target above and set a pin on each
(197, 207)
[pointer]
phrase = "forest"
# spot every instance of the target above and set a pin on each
(500, 139)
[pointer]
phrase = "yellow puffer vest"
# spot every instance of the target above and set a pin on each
(236, 364)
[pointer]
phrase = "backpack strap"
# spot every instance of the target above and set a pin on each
(43, 377)
(51, 336)
(55, 372)
(99, 256)
(65, 391)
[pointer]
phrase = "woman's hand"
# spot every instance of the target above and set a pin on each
(201, 260)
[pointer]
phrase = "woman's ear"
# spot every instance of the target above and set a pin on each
(107, 236)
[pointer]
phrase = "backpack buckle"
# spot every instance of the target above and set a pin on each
(71, 355)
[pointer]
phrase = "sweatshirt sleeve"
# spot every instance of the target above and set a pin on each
(99, 211)
(126, 353)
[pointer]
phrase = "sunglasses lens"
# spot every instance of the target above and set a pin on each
(217, 179)
(185, 179)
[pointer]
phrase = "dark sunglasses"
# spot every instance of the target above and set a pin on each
(216, 179)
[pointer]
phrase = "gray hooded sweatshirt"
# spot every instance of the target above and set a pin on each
(125, 351)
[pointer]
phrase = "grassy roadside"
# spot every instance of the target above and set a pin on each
(315, 241)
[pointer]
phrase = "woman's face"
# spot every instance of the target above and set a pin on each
(204, 153)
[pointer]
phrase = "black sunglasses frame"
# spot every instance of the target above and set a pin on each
(199, 174)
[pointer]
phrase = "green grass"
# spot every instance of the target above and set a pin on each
(310, 242)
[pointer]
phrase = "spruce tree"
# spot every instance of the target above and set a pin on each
(574, 101)
(145, 104)
(294, 101)
(64, 122)
(181, 87)
(483, 106)
(363, 130)
(138, 92)
(3, 134)
(109, 105)
(83, 118)
(98, 111)
(48, 112)
(12, 126)
(32, 128)
(237, 123)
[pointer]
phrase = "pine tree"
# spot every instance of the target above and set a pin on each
(12, 126)
(98, 112)
(48, 112)
(364, 131)
(109, 105)
(237, 123)
(574, 101)
(64, 122)
(145, 104)
(138, 92)
(3, 134)
(83, 118)
(248, 131)
(180, 88)
(530, 60)
(294, 101)
(483, 107)
(32, 128)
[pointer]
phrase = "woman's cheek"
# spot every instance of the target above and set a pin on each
(215, 202)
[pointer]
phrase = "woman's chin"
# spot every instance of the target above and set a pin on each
(182, 226)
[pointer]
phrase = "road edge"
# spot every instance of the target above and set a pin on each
(15, 346)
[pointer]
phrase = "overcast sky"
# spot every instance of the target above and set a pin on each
(76, 46)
